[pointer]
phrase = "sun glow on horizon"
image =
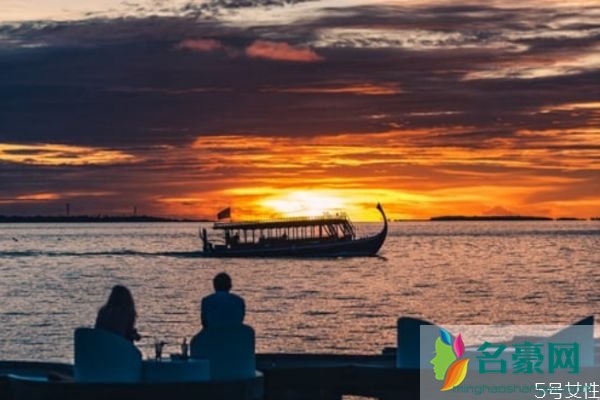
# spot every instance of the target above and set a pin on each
(304, 203)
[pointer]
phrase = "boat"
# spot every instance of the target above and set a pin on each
(324, 236)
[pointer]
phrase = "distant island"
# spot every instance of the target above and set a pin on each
(489, 218)
(90, 218)
(148, 218)
(505, 218)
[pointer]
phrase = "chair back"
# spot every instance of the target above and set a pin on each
(582, 333)
(103, 356)
(408, 353)
(229, 350)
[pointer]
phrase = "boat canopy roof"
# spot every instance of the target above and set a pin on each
(284, 223)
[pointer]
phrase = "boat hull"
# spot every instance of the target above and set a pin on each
(347, 248)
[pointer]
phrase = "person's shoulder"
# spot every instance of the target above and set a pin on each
(208, 298)
(237, 297)
(102, 311)
(101, 317)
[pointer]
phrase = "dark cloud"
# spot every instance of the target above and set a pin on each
(95, 80)
(218, 7)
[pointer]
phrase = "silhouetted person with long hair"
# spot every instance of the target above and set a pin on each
(118, 314)
(222, 307)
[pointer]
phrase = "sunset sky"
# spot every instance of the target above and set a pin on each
(184, 107)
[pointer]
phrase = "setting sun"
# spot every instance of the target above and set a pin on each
(304, 203)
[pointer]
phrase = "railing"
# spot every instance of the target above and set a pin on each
(324, 218)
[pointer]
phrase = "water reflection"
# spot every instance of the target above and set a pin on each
(55, 277)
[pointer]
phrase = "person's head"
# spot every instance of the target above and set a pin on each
(222, 282)
(120, 297)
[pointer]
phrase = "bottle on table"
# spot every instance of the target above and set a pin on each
(184, 349)
(158, 348)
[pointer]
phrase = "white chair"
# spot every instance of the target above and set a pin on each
(103, 356)
(229, 350)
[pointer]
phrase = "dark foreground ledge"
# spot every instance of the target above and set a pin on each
(329, 377)
(286, 377)
(18, 382)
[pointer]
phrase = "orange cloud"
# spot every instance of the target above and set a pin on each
(538, 150)
(59, 154)
(200, 45)
(30, 197)
(367, 89)
(39, 197)
(281, 51)
(549, 172)
(590, 105)
(404, 169)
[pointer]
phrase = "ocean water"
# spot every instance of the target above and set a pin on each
(54, 277)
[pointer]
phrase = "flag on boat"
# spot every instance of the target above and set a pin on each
(226, 213)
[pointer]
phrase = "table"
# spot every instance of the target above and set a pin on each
(191, 370)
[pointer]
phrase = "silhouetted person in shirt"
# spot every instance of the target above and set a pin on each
(222, 307)
(118, 314)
